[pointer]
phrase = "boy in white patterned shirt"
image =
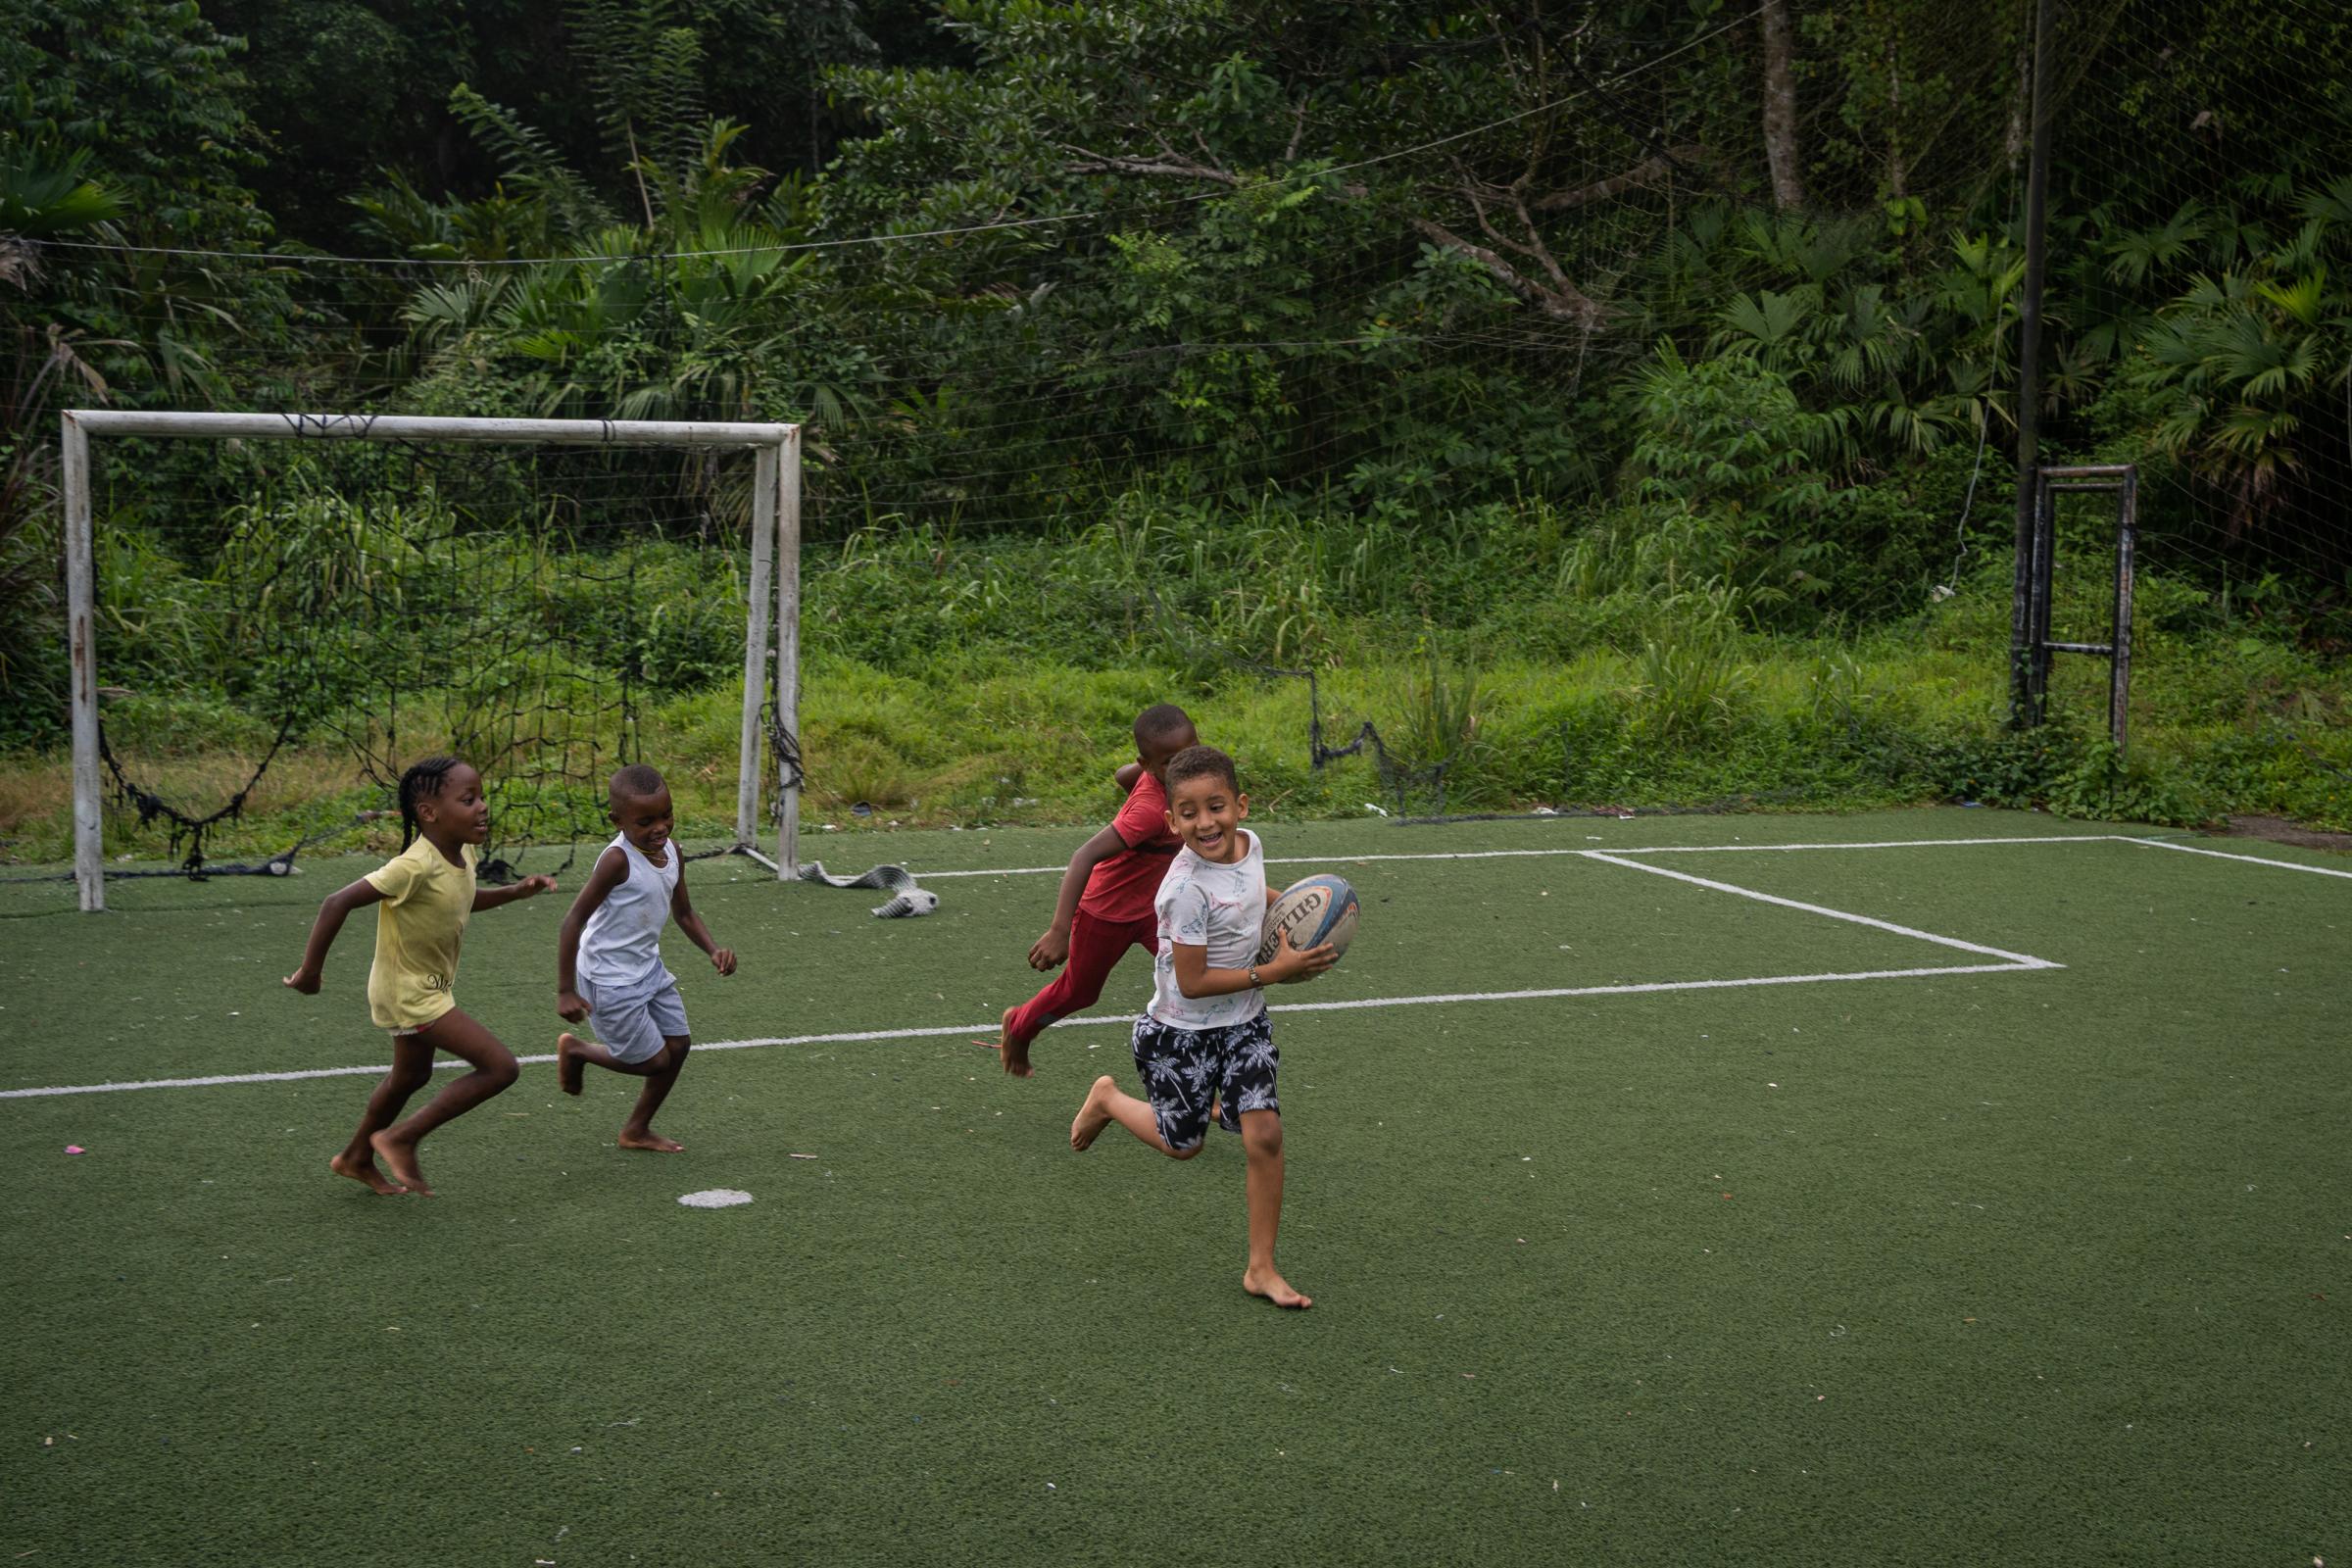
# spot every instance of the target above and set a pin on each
(1206, 1040)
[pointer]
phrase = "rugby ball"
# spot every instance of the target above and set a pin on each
(1319, 910)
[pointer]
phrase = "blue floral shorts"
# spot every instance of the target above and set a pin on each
(1185, 1070)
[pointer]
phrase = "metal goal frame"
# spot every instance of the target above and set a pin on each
(776, 567)
(2031, 655)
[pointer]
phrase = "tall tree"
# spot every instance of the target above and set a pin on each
(1781, 148)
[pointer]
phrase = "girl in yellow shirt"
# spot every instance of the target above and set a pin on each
(424, 896)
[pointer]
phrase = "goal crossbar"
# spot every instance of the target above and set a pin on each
(775, 559)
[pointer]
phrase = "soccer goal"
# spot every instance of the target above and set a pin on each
(258, 589)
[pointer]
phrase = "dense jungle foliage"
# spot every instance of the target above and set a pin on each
(1616, 398)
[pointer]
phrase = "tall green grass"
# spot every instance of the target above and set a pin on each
(953, 681)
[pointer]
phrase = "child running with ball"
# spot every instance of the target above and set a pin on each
(1206, 1040)
(608, 957)
(424, 897)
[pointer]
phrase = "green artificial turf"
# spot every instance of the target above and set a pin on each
(2023, 1266)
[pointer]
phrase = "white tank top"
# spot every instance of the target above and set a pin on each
(621, 949)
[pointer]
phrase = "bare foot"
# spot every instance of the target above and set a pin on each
(402, 1158)
(1094, 1116)
(569, 1067)
(1016, 1058)
(649, 1140)
(363, 1171)
(1274, 1288)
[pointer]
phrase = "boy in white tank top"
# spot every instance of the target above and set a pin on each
(608, 968)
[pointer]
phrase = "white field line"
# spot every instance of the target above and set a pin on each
(2020, 959)
(1709, 848)
(1001, 870)
(1865, 844)
(2013, 961)
(1646, 848)
(1550, 993)
(2225, 854)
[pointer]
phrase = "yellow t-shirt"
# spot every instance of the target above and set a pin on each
(419, 927)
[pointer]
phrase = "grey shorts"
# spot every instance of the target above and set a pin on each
(632, 1025)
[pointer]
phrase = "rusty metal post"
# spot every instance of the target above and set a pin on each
(2124, 479)
(2041, 588)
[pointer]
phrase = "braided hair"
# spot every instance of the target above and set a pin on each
(422, 782)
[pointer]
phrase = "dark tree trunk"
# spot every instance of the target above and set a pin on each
(1779, 106)
(1899, 170)
(2013, 135)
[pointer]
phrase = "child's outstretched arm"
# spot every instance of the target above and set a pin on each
(681, 909)
(611, 867)
(331, 915)
(530, 887)
(1195, 978)
(1051, 950)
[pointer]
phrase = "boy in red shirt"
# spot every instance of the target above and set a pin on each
(1106, 902)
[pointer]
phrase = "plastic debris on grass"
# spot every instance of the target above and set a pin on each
(909, 900)
(76, 1149)
(717, 1197)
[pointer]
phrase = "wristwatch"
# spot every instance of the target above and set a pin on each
(1255, 984)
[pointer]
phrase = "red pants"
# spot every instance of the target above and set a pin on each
(1095, 949)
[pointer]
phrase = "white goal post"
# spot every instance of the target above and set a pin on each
(775, 555)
